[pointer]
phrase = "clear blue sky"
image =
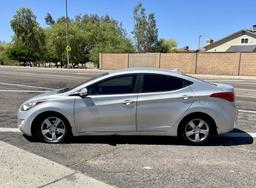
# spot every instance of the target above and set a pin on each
(182, 20)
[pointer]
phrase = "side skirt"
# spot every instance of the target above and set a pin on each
(129, 133)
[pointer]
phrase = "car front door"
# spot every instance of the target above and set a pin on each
(109, 107)
(163, 99)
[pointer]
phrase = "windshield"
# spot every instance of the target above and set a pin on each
(93, 78)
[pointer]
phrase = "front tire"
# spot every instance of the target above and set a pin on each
(52, 128)
(196, 130)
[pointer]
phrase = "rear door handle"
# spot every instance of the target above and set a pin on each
(186, 97)
(127, 102)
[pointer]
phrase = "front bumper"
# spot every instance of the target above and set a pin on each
(24, 122)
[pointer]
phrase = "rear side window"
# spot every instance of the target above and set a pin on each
(158, 83)
(115, 85)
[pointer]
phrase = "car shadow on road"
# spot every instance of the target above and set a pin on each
(223, 140)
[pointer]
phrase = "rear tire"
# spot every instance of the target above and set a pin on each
(52, 128)
(196, 130)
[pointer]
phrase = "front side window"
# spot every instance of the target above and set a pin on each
(159, 83)
(116, 85)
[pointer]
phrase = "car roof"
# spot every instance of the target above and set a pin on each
(152, 70)
(144, 70)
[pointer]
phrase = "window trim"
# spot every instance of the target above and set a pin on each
(158, 92)
(135, 88)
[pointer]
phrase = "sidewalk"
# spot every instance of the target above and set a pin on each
(20, 168)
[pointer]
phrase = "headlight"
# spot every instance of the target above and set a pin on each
(28, 106)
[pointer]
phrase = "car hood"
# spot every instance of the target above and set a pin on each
(46, 95)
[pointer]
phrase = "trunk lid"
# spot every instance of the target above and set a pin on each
(225, 87)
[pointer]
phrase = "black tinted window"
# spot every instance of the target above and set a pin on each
(155, 83)
(116, 85)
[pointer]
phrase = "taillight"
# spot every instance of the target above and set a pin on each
(229, 96)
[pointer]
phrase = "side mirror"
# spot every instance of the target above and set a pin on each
(83, 92)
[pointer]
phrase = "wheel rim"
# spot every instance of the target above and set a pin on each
(52, 129)
(197, 130)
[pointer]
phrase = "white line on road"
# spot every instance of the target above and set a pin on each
(49, 75)
(22, 91)
(231, 134)
(247, 111)
(244, 89)
(22, 85)
(7, 129)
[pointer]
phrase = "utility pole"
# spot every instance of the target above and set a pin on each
(199, 41)
(67, 38)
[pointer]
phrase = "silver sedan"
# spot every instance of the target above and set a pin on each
(132, 102)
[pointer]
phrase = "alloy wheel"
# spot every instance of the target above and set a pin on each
(197, 130)
(53, 129)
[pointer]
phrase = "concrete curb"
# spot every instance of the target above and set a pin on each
(20, 168)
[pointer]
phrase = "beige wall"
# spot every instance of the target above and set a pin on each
(184, 62)
(201, 63)
(113, 61)
(237, 41)
(144, 60)
(248, 64)
(218, 63)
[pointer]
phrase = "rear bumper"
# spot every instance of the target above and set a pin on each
(227, 120)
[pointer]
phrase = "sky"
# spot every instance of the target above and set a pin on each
(181, 20)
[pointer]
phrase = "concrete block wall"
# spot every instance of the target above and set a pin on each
(248, 64)
(144, 60)
(113, 61)
(199, 63)
(218, 63)
(184, 62)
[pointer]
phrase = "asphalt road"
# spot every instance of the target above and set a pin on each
(137, 161)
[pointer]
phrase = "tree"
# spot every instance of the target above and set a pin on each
(145, 30)
(102, 35)
(151, 34)
(29, 37)
(3, 52)
(22, 54)
(140, 25)
(167, 46)
(56, 44)
(49, 20)
(89, 35)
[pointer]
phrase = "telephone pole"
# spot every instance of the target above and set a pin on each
(67, 38)
(199, 41)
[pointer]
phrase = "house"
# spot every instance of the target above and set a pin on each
(241, 41)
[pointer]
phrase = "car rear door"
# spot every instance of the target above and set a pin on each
(109, 107)
(163, 99)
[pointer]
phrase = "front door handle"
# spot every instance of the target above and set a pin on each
(128, 102)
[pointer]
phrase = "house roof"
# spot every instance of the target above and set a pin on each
(230, 37)
(242, 48)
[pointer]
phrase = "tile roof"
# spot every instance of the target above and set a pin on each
(242, 48)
